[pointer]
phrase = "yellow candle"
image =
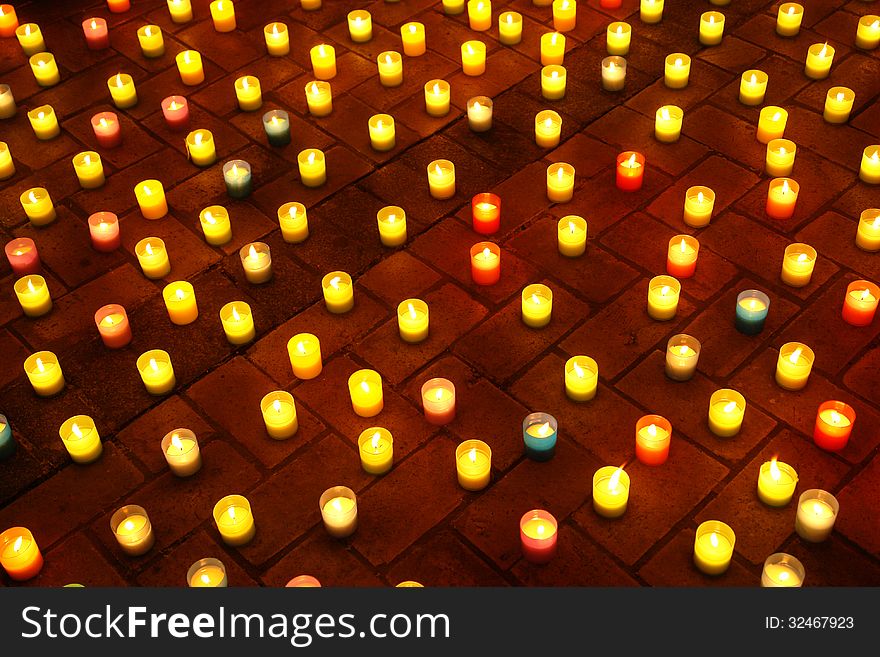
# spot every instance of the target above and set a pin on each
(392, 225)
(794, 365)
(89, 170)
(80, 437)
(779, 161)
(553, 82)
(651, 11)
(663, 293)
(319, 98)
(771, 123)
(390, 65)
(510, 27)
(869, 171)
(323, 58)
(338, 292)
(45, 69)
(473, 57)
(711, 28)
(413, 37)
(667, 124)
(180, 10)
(365, 389)
(412, 320)
(223, 15)
(699, 202)
(713, 547)
(7, 166)
(189, 65)
(294, 222)
(279, 414)
(19, 553)
(838, 104)
(180, 302)
(473, 464)
(726, 411)
(581, 378)
(868, 32)
(797, 264)
(207, 573)
(238, 322)
(564, 15)
(256, 261)
(200, 147)
(248, 93)
(133, 531)
(776, 483)
(44, 373)
(30, 38)
(552, 48)
(788, 19)
(153, 257)
(479, 15)
(677, 71)
(437, 97)
(304, 350)
(151, 40)
(312, 168)
(537, 305)
(33, 295)
(868, 232)
(310, 5)
(382, 132)
(215, 224)
(360, 26)
(150, 196)
(44, 122)
(277, 39)
(441, 179)
(548, 128)
(234, 520)
(156, 370)
(571, 234)
(618, 37)
(819, 58)
(752, 87)
(38, 206)
(560, 182)
(610, 491)
(122, 90)
(376, 448)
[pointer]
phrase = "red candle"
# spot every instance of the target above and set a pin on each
(610, 4)
(8, 21)
(486, 212)
(118, 6)
(653, 435)
(104, 229)
(681, 257)
(485, 263)
(97, 36)
(834, 423)
(23, 256)
(107, 129)
(176, 111)
(630, 171)
(781, 198)
(537, 533)
(860, 303)
(112, 323)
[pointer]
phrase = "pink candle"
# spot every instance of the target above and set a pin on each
(104, 229)
(485, 263)
(97, 36)
(537, 534)
(118, 6)
(176, 111)
(630, 171)
(23, 256)
(438, 401)
(112, 323)
(107, 130)
(486, 213)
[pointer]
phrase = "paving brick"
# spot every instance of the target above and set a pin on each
(673, 565)
(223, 49)
(821, 562)
(170, 569)
(136, 144)
(504, 146)
(22, 469)
(761, 31)
(858, 72)
(703, 79)
(416, 72)
(332, 561)
(732, 137)
(732, 54)
(399, 276)
(221, 98)
(304, 133)
(76, 560)
(836, 233)
(861, 377)
(57, 178)
(840, 144)
(14, 354)
(856, 503)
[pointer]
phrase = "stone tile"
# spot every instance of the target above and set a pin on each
(840, 144)
(399, 276)
(836, 233)
(855, 504)
(861, 376)
(14, 353)
(171, 569)
(726, 134)
(673, 565)
(136, 144)
(332, 561)
(732, 54)
(822, 560)
(76, 560)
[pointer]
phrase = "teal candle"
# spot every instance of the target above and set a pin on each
(237, 174)
(539, 436)
(752, 307)
(7, 442)
(277, 126)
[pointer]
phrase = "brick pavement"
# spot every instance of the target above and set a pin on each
(416, 523)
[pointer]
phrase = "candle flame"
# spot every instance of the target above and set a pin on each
(235, 316)
(678, 62)
(301, 347)
(40, 63)
(180, 294)
(782, 150)
(439, 394)
(412, 28)
(198, 138)
(470, 49)
(376, 437)
(876, 156)
(87, 160)
(774, 470)
(783, 576)
(795, 355)
(31, 287)
(565, 4)
(95, 25)
(27, 29)
(875, 25)
(148, 248)
(357, 20)
(275, 29)
(234, 169)
(620, 29)
(683, 245)
(477, 105)
(205, 579)
(244, 82)
(535, 299)
(210, 217)
(175, 441)
(785, 187)
(365, 386)
(315, 89)
(544, 429)
(33, 197)
(436, 88)
(388, 59)
(560, 172)
(571, 227)
(865, 294)
(321, 50)
(840, 96)
(713, 539)
(40, 365)
(42, 114)
(76, 430)
(186, 57)
(380, 126)
(334, 282)
(252, 252)
(824, 50)
(312, 157)
(614, 482)
(664, 114)
(791, 10)
(777, 116)
(148, 31)
(119, 79)
(554, 74)
(631, 162)
(540, 529)
(754, 79)
(730, 407)
(473, 454)
(553, 38)
(487, 252)
(17, 545)
(802, 257)
(664, 290)
(173, 105)
(438, 170)
(412, 311)
(835, 417)
(154, 365)
(652, 430)
(578, 370)
(231, 511)
(509, 19)
(108, 320)
(103, 122)
(699, 197)
(128, 525)
(274, 120)
(817, 508)
(711, 19)
(337, 505)
(683, 350)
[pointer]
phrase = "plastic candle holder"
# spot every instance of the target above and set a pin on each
(663, 295)
(89, 169)
(681, 257)
(23, 256)
(45, 69)
(548, 128)
(33, 295)
(581, 378)
(794, 365)
(181, 450)
(782, 570)
(651, 11)
(838, 104)
(677, 70)
(441, 179)
(235, 520)
(479, 15)
(38, 206)
(338, 292)
(365, 390)
(538, 530)
(189, 65)
(392, 225)
(869, 171)
(552, 48)
(175, 109)
(537, 305)
(304, 351)
(413, 37)
(682, 356)
(200, 147)
(376, 449)
(319, 98)
(132, 529)
(256, 260)
(118, 6)
(156, 371)
(151, 41)
(571, 235)
(610, 491)
(868, 32)
(238, 322)
(215, 224)
(390, 65)
(779, 161)
(510, 27)
(653, 435)
(104, 231)
(276, 123)
(294, 222)
(248, 93)
(473, 58)
(95, 31)
(485, 263)
(312, 167)
(613, 73)
(788, 19)
(150, 196)
(360, 26)
(30, 38)
(713, 547)
(279, 414)
(630, 171)
(8, 20)
(553, 80)
(412, 320)
(834, 423)
(727, 408)
(207, 573)
(238, 179)
(180, 302)
(699, 203)
(323, 59)
(618, 37)
(19, 553)
(868, 232)
(438, 401)
(180, 10)
(560, 182)
(486, 213)
(113, 326)
(7, 442)
(303, 581)
(860, 303)
(711, 28)
(564, 15)
(771, 123)
(81, 438)
(122, 90)
(776, 482)
(382, 132)
(44, 373)
(453, 7)
(277, 39)
(539, 436)
(753, 87)
(479, 112)
(44, 122)
(797, 264)
(817, 511)
(667, 124)
(437, 98)
(819, 58)
(338, 507)
(752, 307)
(473, 464)
(782, 198)
(223, 15)
(7, 166)
(153, 257)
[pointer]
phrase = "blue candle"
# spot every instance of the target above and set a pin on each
(752, 307)
(277, 126)
(539, 436)
(237, 174)
(7, 442)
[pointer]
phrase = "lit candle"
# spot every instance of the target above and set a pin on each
(868, 32)
(107, 130)
(19, 554)
(753, 87)
(392, 225)
(537, 305)
(819, 58)
(539, 436)
(552, 48)
(788, 19)
(180, 10)
(276, 123)
(304, 351)
(441, 179)
(868, 232)
(44, 122)
(360, 26)
(713, 547)
(175, 109)
(248, 93)
(23, 256)
(711, 28)
(95, 30)
(256, 260)
(38, 206)
(537, 536)
(553, 79)
(89, 169)
(365, 390)
(782, 198)
(548, 128)
(277, 39)
(376, 448)
(390, 65)
(122, 90)
(310, 5)
(452, 7)
(564, 15)
(238, 322)
(133, 531)
(294, 222)
(677, 71)
(279, 414)
(150, 196)
(156, 370)
(752, 307)
(486, 213)
(323, 58)
(45, 69)
(613, 73)
(223, 15)
(7, 442)
(473, 58)
(479, 111)
(776, 483)
(485, 263)
(838, 104)
(510, 26)
(617, 38)
(189, 65)
(319, 96)
(113, 326)
(30, 38)
(215, 224)
(581, 378)
(782, 570)
(237, 176)
(234, 520)
(200, 147)
(412, 320)
(338, 292)
(44, 373)
(797, 264)
(33, 295)
(610, 491)
(479, 15)
(473, 464)
(7, 166)
(180, 302)
(560, 182)
(699, 203)
(630, 171)
(151, 40)
(571, 235)
(771, 123)
(437, 98)
(663, 294)
(312, 167)
(869, 171)
(118, 6)
(339, 511)
(651, 11)
(153, 257)
(303, 581)
(207, 573)
(8, 20)
(81, 439)
(413, 37)
(817, 511)
(682, 356)
(860, 303)
(834, 423)
(779, 161)
(667, 124)
(181, 450)
(438, 401)
(653, 436)
(382, 132)
(794, 365)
